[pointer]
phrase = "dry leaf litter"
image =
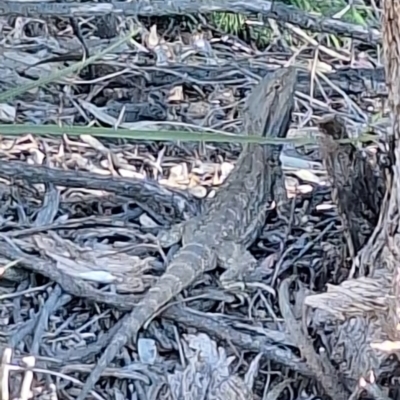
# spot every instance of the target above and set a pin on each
(76, 251)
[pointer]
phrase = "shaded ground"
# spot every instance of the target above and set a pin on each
(74, 259)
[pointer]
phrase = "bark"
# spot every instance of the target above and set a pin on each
(391, 48)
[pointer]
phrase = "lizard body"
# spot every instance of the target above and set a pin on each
(229, 223)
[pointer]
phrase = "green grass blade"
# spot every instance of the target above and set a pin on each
(149, 135)
(9, 94)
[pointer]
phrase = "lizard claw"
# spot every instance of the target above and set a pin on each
(237, 268)
(232, 285)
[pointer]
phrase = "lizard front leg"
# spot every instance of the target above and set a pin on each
(177, 233)
(171, 236)
(237, 262)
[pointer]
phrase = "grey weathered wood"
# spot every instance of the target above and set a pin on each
(267, 9)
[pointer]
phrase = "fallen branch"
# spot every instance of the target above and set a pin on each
(366, 82)
(84, 289)
(361, 81)
(159, 201)
(267, 9)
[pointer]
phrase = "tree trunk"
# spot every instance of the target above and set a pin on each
(391, 49)
(365, 309)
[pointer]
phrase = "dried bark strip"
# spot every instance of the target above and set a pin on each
(267, 9)
(357, 187)
(322, 369)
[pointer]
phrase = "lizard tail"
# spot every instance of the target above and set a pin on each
(189, 264)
